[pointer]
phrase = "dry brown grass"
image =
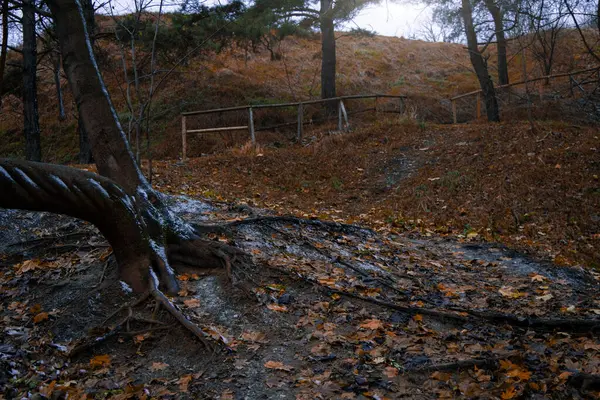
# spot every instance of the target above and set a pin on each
(428, 72)
(536, 192)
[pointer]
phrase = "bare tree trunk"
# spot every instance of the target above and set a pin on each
(85, 148)
(328, 55)
(497, 16)
(109, 147)
(31, 126)
(480, 65)
(157, 235)
(4, 48)
(59, 95)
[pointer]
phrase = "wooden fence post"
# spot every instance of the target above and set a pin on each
(454, 111)
(340, 123)
(183, 139)
(251, 125)
(478, 113)
(300, 122)
(345, 115)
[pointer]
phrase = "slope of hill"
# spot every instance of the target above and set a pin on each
(427, 72)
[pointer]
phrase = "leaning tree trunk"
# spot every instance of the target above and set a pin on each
(500, 41)
(85, 148)
(4, 45)
(147, 238)
(328, 56)
(480, 65)
(31, 125)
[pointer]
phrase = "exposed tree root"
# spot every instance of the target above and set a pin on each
(96, 340)
(466, 316)
(335, 226)
(484, 363)
(182, 319)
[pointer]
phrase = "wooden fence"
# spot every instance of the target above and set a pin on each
(573, 83)
(342, 116)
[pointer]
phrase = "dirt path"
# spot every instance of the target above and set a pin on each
(331, 311)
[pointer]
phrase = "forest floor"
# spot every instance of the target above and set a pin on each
(406, 307)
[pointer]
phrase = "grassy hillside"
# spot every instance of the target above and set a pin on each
(427, 72)
(538, 192)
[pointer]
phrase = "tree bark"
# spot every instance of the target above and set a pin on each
(59, 94)
(85, 148)
(109, 147)
(480, 65)
(53, 188)
(328, 54)
(497, 16)
(4, 46)
(31, 126)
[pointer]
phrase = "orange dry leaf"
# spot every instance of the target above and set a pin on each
(227, 394)
(507, 365)
(565, 375)
(278, 365)
(418, 317)
(390, 372)
(100, 361)
(440, 376)
(372, 324)
(158, 366)
(184, 382)
(520, 374)
(36, 308)
(257, 337)
(40, 317)
(277, 307)
(327, 281)
(192, 303)
(509, 393)
(188, 277)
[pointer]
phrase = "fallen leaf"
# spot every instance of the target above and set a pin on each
(184, 382)
(545, 297)
(509, 393)
(390, 372)
(192, 303)
(521, 374)
(255, 337)
(440, 376)
(508, 291)
(277, 307)
(278, 365)
(372, 324)
(100, 361)
(158, 366)
(538, 278)
(40, 317)
(565, 375)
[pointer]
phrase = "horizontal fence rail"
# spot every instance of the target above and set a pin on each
(572, 85)
(342, 116)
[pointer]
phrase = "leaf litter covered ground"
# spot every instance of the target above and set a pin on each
(330, 310)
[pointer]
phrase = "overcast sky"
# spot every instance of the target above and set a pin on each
(387, 18)
(392, 19)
